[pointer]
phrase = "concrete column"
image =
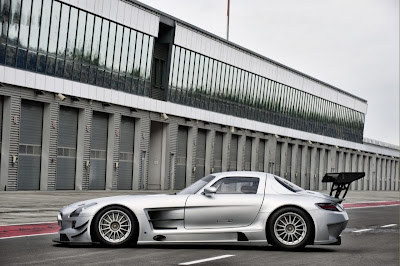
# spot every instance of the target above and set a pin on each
(271, 154)
(226, 140)
(284, 149)
(360, 169)
(392, 175)
(241, 149)
(110, 151)
(210, 136)
(388, 173)
(331, 163)
(367, 178)
(313, 170)
(378, 173)
(353, 169)
(5, 142)
(372, 173)
(254, 153)
(295, 149)
(396, 185)
(383, 165)
(303, 174)
(341, 160)
(322, 169)
(266, 155)
(347, 158)
(44, 165)
(191, 151)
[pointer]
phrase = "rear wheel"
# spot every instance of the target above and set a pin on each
(289, 228)
(115, 226)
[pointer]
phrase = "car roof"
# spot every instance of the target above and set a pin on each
(241, 173)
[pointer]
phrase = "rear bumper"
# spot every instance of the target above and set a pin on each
(328, 226)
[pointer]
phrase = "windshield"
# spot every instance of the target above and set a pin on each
(196, 186)
(289, 185)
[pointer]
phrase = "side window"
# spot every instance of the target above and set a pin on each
(237, 185)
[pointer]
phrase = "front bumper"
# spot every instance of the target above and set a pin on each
(74, 229)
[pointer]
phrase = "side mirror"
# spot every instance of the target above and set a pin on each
(210, 190)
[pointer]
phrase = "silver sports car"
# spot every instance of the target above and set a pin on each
(231, 207)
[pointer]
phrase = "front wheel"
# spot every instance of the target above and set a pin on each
(289, 228)
(115, 226)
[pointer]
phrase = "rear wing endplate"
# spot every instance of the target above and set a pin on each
(341, 181)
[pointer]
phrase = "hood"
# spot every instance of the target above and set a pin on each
(320, 195)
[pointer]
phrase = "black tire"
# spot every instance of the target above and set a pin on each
(288, 236)
(118, 230)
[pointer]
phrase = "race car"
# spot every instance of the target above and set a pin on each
(224, 208)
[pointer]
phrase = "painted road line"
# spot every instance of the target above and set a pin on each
(370, 204)
(362, 230)
(8, 237)
(388, 225)
(204, 260)
(28, 229)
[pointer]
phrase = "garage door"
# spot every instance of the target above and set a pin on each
(181, 158)
(247, 154)
(200, 153)
(261, 155)
(218, 152)
(98, 151)
(126, 153)
(66, 152)
(233, 153)
(1, 121)
(30, 145)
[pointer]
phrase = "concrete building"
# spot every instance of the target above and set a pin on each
(112, 94)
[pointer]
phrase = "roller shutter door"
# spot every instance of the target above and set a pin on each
(289, 162)
(233, 153)
(98, 151)
(181, 158)
(297, 177)
(66, 152)
(278, 159)
(261, 155)
(200, 153)
(247, 154)
(30, 145)
(218, 152)
(126, 153)
(1, 120)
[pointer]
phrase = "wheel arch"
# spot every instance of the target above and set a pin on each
(136, 221)
(311, 241)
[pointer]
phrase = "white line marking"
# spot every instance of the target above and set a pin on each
(388, 225)
(7, 237)
(204, 260)
(364, 207)
(362, 230)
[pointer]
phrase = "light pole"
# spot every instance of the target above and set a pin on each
(227, 21)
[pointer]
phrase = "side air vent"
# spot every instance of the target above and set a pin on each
(242, 237)
(159, 238)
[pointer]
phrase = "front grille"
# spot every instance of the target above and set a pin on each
(63, 237)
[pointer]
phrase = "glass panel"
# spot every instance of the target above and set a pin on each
(72, 33)
(131, 54)
(118, 47)
(176, 67)
(62, 36)
(205, 74)
(180, 71)
(149, 57)
(24, 25)
(190, 72)
(213, 78)
(55, 23)
(103, 43)
(196, 74)
(14, 21)
(80, 37)
(45, 26)
(143, 61)
(186, 70)
(35, 20)
(138, 50)
(124, 52)
(5, 13)
(171, 70)
(96, 41)
(88, 38)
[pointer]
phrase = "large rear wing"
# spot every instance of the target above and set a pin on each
(341, 181)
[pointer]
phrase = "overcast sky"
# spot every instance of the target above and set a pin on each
(353, 45)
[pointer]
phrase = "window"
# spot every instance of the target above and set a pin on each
(237, 185)
(289, 185)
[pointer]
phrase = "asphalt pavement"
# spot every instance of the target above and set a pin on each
(371, 238)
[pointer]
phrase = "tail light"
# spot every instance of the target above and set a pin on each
(329, 207)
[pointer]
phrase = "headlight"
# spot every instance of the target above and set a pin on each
(82, 208)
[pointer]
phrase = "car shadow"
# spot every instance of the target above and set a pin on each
(307, 249)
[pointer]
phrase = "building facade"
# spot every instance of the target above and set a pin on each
(113, 94)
